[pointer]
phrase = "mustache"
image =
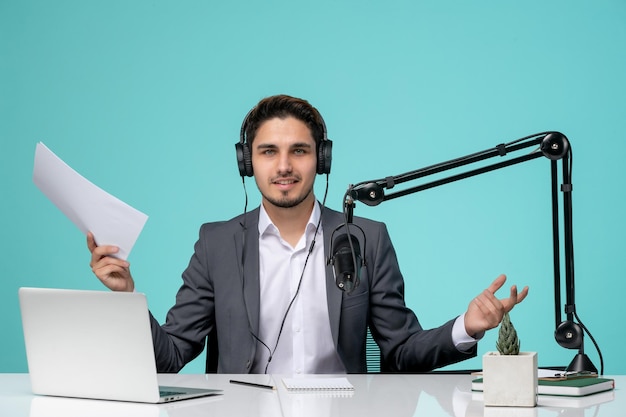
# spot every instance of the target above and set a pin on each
(285, 177)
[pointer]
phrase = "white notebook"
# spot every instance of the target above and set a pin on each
(318, 384)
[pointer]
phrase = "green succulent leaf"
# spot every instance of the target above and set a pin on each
(507, 343)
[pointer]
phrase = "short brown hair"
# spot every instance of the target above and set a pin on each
(283, 106)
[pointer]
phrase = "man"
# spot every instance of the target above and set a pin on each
(261, 282)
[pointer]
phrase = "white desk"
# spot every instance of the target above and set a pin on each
(374, 395)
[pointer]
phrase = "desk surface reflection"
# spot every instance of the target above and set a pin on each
(398, 395)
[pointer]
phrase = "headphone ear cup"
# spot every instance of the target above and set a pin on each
(244, 160)
(324, 156)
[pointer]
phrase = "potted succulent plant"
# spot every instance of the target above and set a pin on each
(509, 376)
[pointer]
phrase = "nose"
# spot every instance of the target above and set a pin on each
(284, 163)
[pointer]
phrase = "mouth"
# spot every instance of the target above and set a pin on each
(285, 183)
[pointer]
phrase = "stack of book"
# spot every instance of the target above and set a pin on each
(574, 391)
(571, 387)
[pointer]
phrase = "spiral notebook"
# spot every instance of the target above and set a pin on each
(318, 384)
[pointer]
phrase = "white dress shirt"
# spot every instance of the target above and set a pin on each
(305, 344)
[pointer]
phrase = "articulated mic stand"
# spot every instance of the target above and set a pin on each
(552, 145)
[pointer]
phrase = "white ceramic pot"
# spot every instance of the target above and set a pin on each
(510, 380)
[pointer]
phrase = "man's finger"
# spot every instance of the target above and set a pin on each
(522, 295)
(497, 284)
(91, 242)
(514, 298)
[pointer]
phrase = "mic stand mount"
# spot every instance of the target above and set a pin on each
(552, 145)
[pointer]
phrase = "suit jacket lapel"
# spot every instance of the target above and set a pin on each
(330, 220)
(250, 274)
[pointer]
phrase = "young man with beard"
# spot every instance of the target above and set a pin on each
(261, 284)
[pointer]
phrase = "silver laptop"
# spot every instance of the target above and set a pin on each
(93, 344)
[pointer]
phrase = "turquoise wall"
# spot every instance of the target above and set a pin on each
(145, 99)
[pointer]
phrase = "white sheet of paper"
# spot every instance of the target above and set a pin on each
(111, 221)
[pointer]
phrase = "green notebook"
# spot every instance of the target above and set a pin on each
(573, 387)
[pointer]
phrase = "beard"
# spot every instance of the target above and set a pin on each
(288, 202)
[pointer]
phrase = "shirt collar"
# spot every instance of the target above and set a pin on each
(266, 225)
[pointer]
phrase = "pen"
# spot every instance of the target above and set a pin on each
(251, 384)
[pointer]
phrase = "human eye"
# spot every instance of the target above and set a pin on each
(301, 150)
(266, 150)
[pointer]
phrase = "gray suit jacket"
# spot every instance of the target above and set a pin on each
(220, 291)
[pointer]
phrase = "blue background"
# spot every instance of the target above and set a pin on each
(146, 98)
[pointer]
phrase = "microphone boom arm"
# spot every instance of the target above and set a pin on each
(461, 176)
(372, 192)
(553, 145)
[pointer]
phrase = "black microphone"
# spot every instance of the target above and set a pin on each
(346, 261)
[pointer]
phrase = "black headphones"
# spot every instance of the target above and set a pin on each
(244, 158)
